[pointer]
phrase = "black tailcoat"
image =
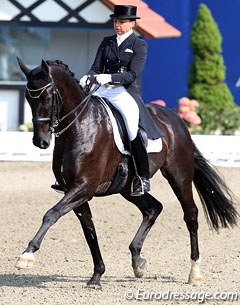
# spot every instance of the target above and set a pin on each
(125, 63)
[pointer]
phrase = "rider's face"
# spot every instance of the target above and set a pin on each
(122, 26)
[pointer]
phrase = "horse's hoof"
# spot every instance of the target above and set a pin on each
(139, 270)
(196, 280)
(26, 260)
(94, 285)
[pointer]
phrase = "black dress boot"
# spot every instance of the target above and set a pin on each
(140, 183)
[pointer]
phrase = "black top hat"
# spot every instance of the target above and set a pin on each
(125, 12)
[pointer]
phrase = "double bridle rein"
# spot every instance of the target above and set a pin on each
(57, 100)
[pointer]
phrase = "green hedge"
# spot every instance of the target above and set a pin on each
(207, 75)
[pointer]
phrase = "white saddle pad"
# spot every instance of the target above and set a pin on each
(154, 146)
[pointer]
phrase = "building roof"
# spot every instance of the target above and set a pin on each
(151, 24)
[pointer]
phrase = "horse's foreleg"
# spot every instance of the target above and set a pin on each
(84, 215)
(65, 205)
(150, 209)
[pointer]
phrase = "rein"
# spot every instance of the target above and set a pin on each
(85, 100)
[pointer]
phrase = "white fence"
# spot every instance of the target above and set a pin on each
(18, 146)
(219, 150)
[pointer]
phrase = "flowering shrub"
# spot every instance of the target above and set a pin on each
(187, 110)
(225, 122)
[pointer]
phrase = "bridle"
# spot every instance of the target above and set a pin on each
(57, 101)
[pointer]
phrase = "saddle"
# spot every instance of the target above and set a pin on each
(90, 87)
(121, 125)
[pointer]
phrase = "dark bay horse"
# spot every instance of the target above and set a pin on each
(86, 160)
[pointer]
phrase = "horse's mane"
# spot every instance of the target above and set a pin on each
(61, 64)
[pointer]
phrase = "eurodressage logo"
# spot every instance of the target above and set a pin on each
(199, 296)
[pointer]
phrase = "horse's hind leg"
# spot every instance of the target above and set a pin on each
(150, 209)
(84, 215)
(182, 187)
(190, 217)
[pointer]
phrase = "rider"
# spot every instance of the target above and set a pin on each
(118, 63)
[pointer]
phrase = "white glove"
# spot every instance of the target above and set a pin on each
(103, 79)
(83, 80)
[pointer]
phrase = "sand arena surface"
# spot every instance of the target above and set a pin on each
(64, 263)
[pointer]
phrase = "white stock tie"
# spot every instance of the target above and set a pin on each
(119, 40)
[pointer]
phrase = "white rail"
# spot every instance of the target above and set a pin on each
(219, 150)
(17, 146)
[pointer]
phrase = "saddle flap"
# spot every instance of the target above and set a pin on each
(120, 123)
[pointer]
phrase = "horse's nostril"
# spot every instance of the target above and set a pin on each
(43, 144)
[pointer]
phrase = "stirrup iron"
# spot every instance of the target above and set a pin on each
(137, 183)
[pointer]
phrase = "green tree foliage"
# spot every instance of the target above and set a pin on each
(208, 72)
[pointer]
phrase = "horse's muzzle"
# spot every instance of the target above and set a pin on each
(42, 141)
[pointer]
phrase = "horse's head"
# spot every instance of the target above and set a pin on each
(44, 100)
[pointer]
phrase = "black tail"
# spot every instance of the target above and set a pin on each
(216, 198)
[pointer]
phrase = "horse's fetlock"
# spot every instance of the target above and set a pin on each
(100, 269)
(135, 250)
(32, 247)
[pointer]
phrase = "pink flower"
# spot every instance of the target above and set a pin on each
(159, 102)
(195, 103)
(184, 101)
(183, 109)
(192, 118)
(187, 111)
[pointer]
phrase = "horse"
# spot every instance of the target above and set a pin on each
(86, 162)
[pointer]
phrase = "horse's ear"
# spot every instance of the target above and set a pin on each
(23, 67)
(45, 67)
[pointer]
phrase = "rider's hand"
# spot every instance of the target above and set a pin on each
(103, 79)
(83, 80)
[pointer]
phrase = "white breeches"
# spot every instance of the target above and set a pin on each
(125, 104)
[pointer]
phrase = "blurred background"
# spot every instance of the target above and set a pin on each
(71, 31)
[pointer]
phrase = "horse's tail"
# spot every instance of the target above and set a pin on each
(216, 197)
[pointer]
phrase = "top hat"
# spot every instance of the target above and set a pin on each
(125, 12)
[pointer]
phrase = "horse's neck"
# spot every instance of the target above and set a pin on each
(70, 92)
